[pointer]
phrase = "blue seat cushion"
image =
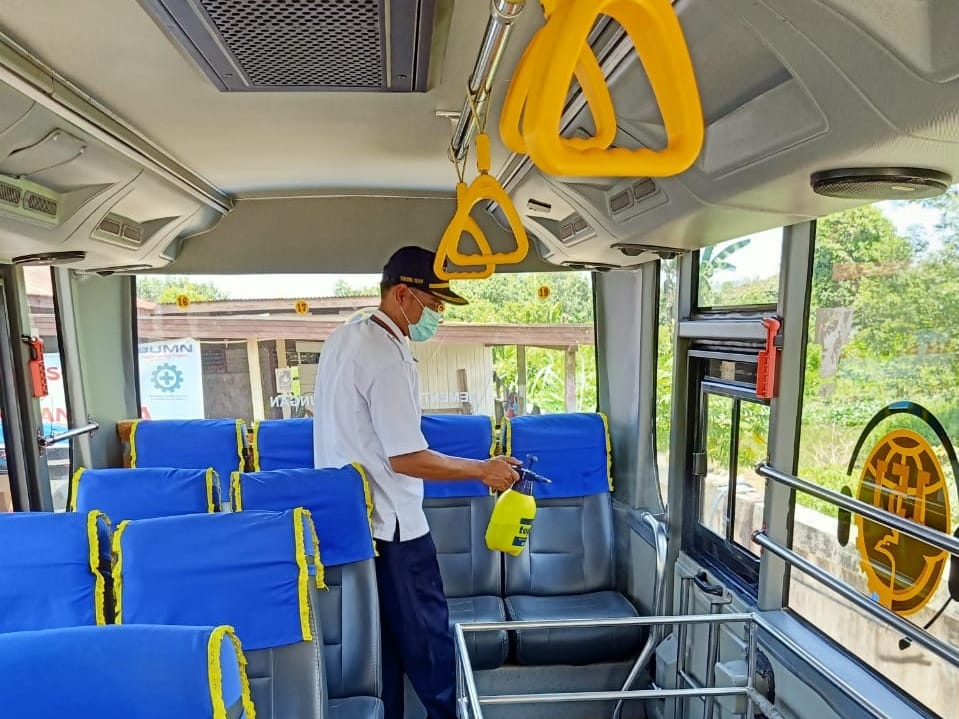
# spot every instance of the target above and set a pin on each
(356, 708)
(579, 646)
(487, 650)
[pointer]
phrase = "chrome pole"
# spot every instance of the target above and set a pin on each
(503, 13)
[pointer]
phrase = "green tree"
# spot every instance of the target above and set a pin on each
(342, 288)
(860, 235)
(511, 298)
(165, 289)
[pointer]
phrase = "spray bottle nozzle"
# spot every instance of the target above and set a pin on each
(526, 472)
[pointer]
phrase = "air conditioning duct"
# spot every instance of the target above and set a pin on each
(277, 45)
(29, 201)
(120, 231)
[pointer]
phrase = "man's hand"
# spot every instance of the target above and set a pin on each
(498, 473)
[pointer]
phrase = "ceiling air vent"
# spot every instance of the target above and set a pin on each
(574, 229)
(40, 204)
(283, 45)
(29, 201)
(10, 194)
(120, 231)
(644, 188)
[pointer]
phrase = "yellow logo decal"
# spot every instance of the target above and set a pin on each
(903, 475)
(182, 301)
(301, 307)
(543, 292)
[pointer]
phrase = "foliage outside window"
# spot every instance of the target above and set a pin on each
(664, 368)
(883, 328)
(741, 272)
(233, 372)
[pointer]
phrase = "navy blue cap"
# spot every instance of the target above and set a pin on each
(413, 266)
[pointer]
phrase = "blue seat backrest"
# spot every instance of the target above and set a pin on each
(189, 444)
(283, 444)
(458, 511)
(338, 500)
(572, 450)
(250, 570)
(54, 571)
(468, 436)
(570, 546)
(145, 493)
(149, 672)
(458, 526)
(254, 571)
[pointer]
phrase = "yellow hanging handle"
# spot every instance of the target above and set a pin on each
(590, 77)
(654, 29)
(484, 187)
(461, 223)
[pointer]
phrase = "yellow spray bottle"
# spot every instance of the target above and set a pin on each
(512, 518)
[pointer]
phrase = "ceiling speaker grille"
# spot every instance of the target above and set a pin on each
(300, 43)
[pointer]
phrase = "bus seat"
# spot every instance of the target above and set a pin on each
(255, 571)
(566, 571)
(458, 512)
(145, 493)
(54, 571)
(349, 611)
(283, 444)
(189, 444)
(150, 672)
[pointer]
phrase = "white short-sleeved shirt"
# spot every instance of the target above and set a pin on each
(366, 410)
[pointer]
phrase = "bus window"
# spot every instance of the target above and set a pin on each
(53, 407)
(248, 347)
(664, 368)
(743, 272)
(883, 330)
(735, 441)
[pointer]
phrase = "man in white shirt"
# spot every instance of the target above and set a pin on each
(367, 410)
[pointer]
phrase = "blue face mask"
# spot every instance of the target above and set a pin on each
(428, 323)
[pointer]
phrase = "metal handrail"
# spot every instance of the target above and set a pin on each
(475, 702)
(932, 537)
(503, 13)
(754, 622)
(933, 644)
(52, 439)
(606, 622)
(659, 601)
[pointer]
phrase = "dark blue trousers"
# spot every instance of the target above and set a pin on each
(415, 628)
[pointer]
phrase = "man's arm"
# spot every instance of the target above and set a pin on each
(426, 464)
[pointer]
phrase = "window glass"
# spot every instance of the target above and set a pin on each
(730, 502)
(248, 346)
(884, 329)
(741, 272)
(53, 407)
(664, 368)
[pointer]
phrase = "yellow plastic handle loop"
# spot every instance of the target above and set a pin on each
(590, 77)
(451, 238)
(485, 188)
(654, 29)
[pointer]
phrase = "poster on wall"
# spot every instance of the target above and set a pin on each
(53, 407)
(171, 379)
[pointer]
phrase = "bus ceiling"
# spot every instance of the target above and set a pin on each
(329, 152)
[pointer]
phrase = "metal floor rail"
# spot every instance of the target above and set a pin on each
(470, 704)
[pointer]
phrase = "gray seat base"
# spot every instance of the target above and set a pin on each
(356, 708)
(487, 650)
(578, 646)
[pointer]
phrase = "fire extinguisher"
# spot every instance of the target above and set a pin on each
(38, 370)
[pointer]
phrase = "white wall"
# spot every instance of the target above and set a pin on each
(438, 364)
